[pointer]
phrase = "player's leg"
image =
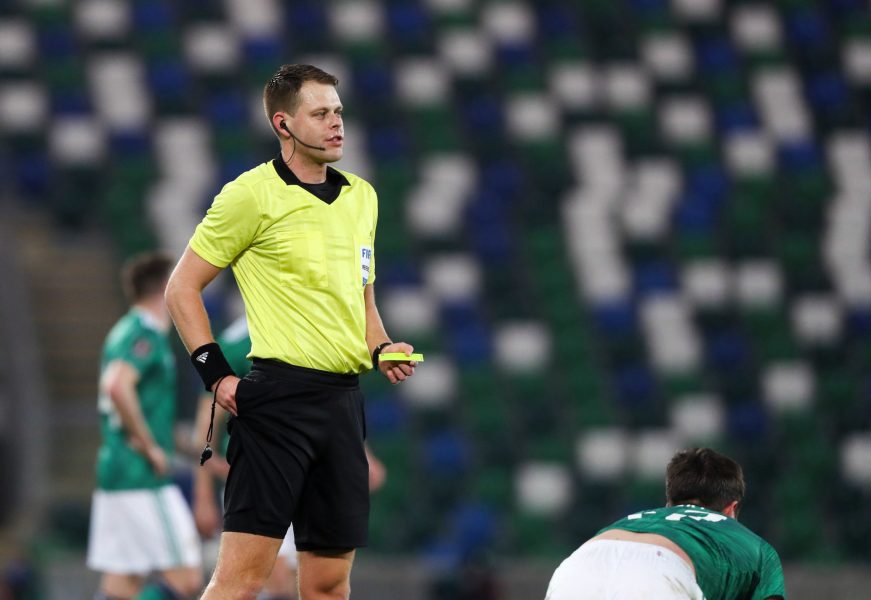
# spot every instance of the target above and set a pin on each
(135, 532)
(325, 575)
(332, 517)
(182, 583)
(281, 584)
(180, 576)
(118, 586)
(244, 563)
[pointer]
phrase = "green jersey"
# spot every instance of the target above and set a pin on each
(731, 562)
(236, 344)
(137, 340)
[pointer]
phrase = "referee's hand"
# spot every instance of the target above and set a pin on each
(397, 370)
(226, 397)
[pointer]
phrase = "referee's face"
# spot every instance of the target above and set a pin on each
(318, 122)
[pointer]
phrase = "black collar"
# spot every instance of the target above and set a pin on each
(289, 177)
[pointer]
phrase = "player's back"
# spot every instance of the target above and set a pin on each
(136, 339)
(731, 562)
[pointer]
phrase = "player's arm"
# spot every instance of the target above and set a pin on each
(207, 514)
(377, 470)
(184, 299)
(119, 385)
(376, 335)
(771, 581)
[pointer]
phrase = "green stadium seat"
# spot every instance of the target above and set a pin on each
(540, 537)
(771, 334)
(434, 129)
(494, 485)
(639, 130)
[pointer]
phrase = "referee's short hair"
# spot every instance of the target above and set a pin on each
(145, 274)
(704, 476)
(281, 92)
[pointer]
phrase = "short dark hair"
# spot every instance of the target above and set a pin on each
(705, 476)
(281, 92)
(145, 274)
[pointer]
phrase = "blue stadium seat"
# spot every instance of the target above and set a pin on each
(747, 422)
(728, 352)
(168, 78)
(654, 276)
(467, 336)
(474, 526)
(735, 117)
(385, 414)
(616, 318)
(807, 30)
(635, 387)
(716, 55)
(152, 16)
(409, 24)
(265, 50)
(446, 454)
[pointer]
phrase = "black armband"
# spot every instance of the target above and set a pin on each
(377, 352)
(210, 363)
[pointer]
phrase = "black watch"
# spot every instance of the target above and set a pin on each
(377, 352)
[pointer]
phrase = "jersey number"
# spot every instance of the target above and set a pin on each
(695, 515)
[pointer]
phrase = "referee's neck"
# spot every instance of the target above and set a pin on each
(306, 170)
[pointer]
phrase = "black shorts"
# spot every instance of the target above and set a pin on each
(296, 455)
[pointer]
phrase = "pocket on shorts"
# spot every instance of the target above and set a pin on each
(240, 396)
(252, 390)
(302, 259)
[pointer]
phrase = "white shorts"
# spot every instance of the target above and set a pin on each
(620, 570)
(288, 549)
(136, 532)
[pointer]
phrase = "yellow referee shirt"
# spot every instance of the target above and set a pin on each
(301, 264)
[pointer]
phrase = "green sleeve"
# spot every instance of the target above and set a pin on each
(236, 344)
(771, 582)
(228, 227)
(237, 355)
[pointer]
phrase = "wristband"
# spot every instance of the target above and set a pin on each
(376, 353)
(210, 363)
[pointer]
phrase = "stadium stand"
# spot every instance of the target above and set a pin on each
(613, 227)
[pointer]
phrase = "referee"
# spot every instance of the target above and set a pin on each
(299, 236)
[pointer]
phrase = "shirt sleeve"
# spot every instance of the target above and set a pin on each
(771, 582)
(137, 349)
(371, 279)
(229, 226)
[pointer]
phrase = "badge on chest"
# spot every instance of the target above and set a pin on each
(365, 263)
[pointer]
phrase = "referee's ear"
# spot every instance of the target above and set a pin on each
(280, 125)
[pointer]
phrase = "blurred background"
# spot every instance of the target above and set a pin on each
(614, 227)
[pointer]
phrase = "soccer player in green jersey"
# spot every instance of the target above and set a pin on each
(140, 523)
(299, 236)
(692, 549)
